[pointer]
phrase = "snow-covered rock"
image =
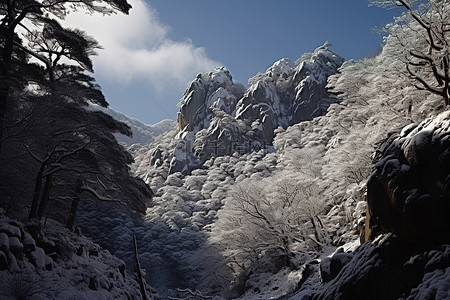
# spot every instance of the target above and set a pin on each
(55, 263)
(408, 190)
(387, 268)
(294, 92)
(217, 117)
(208, 91)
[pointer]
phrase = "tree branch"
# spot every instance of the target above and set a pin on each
(33, 155)
(89, 189)
(424, 82)
(424, 24)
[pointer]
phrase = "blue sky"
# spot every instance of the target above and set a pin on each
(150, 56)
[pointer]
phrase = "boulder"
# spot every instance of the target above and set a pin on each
(387, 268)
(16, 247)
(408, 191)
(331, 266)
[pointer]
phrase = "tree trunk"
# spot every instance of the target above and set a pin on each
(446, 90)
(73, 212)
(3, 100)
(316, 230)
(73, 209)
(45, 196)
(138, 271)
(37, 192)
(4, 91)
(5, 66)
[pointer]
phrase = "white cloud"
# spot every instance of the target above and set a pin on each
(136, 48)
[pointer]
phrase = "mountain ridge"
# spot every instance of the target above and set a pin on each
(142, 133)
(217, 117)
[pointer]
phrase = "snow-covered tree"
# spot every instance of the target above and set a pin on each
(276, 218)
(423, 41)
(48, 40)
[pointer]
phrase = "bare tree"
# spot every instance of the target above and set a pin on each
(279, 218)
(427, 51)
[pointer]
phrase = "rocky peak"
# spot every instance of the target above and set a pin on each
(208, 90)
(288, 93)
(323, 59)
(216, 111)
(282, 68)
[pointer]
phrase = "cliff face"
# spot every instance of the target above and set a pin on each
(408, 198)
(219, 117)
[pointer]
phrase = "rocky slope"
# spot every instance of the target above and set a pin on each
(55, 263)
(387, 268)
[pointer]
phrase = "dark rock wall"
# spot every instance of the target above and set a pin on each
(409, 189)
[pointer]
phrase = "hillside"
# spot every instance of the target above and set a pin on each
(324, 179)
(201, 233)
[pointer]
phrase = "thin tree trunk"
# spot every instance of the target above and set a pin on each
(45, 196)
(4, 91)
(37, 192)
(446, 90)
(73, 209)
(3, 101)
(73, 213)
(5, 66)
(138, 271)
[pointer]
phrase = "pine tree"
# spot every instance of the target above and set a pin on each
(48, 40)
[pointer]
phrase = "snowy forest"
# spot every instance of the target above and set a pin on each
(321, 179)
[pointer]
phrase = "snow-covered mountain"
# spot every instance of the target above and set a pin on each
(215, 114)
(261, 193)
(218, 117)
(324, 179)
(142, 133)
(204, 223)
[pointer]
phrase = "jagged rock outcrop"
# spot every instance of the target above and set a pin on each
(209, 91)
(288, 93)
(218, 117)
(409, 189)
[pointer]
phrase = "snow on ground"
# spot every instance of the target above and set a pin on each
(55, 263)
